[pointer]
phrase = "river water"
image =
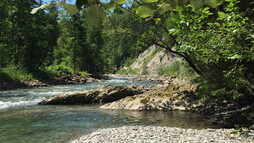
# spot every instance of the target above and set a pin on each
(22, 121)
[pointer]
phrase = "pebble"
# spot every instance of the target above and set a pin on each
(155, 134)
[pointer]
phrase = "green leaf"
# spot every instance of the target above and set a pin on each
(44, 6)
(71, 9)
(34, 10)
(96, 14)
(217, 24)
(110, 6)
(144, 12)
(149, 1)
(120, 2)
(80, 3)
(222, 14)
(213, 3)
(197, 4)
(164, 8)
(171, 31)
(157, 20)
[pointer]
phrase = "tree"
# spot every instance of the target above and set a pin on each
(213, 36)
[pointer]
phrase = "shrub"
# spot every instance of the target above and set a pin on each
(12, 73)
(84, 73)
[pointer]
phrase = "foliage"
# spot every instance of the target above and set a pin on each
(11, 74)
(128, 71)
(20, 32)
(121, 41)
(84, 74)
(60, 69)
(178, 69)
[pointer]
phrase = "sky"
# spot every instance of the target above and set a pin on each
(68, 1)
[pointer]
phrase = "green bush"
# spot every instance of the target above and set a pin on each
(225, 84)
(84, 73)
(60, 69)
(12, 73)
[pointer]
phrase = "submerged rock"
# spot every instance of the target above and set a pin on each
(108, 93)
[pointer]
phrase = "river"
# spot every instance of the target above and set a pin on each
(23, 121)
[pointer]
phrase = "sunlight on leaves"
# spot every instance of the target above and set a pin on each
(120, 2)
(34, 10)
(149, 1)
(144, 12)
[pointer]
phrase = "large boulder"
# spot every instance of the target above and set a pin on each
(108, 93)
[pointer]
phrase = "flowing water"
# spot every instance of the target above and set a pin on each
(22, 121)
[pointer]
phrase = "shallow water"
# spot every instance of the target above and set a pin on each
(22, 121)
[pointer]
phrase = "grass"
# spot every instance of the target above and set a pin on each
(145, 100)
(12, 74)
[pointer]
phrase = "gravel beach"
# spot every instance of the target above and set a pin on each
(153, 134)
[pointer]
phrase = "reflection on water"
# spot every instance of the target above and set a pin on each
(22, 121)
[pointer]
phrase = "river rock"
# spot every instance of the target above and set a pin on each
(176, 96)
(157, 134)
(108, 93)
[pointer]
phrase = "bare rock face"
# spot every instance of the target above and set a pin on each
(153, 58)
(175, 96)
(108, 93)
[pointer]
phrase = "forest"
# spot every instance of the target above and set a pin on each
(214, 37)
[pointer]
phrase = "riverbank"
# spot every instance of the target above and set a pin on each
(40, 83)
(174, 95)
(155, 134)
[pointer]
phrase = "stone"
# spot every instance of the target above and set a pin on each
(158, 98)
(108, 93)
(251, 127)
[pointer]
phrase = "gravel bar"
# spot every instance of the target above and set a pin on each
(154, 134)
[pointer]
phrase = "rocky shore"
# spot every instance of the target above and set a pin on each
(153, 134)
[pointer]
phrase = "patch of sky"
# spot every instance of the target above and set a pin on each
(68, 1)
